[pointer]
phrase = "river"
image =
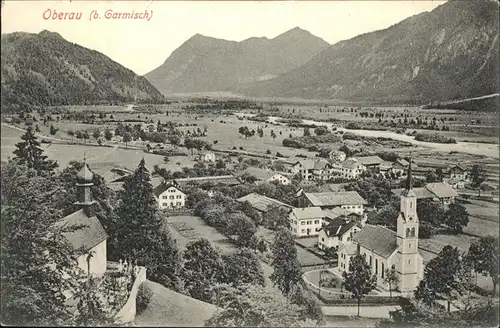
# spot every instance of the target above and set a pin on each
(474, 148)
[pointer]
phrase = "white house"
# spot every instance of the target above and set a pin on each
(458, 172)
(351, 169)
(386, 249)
(306, 221)
(268, 176)
(312, 169)
(207, 157)
(337, 232)
(169, 196)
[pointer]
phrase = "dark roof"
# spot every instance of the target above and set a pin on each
(338, 226)
(459, 167)
(370, 160)
(164, 186)
(262, 203)
(380, 240)
(228, 180)
(88, 236)
(335, 198)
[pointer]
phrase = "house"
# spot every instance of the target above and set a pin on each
(312, 169)
(458, 172)
(267, 176)
(337, 232)
(351, 169)
(306, 221)
(371, 162)
(90, 240)
(386, 249)
(262, 203)
(385, 166)
(337, 155)
(169, 196)
(455, 183)
(347, 200)
(207, 157)
(400, 166)
(337, 212)
(437, 191)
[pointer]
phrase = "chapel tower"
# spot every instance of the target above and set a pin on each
(83, 184)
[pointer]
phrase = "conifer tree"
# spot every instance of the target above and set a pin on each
(139, 233)
(29, 153)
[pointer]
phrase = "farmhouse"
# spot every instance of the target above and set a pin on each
(337, 232)
(267, 176)
(351, 169)
(312, 169)
(169, 196)
(306, 221)
(400, 166)
(437, 191)
(458, 172)
(207, 157)
(350, 201)
(262, 203)
(371, 162)
(386, 249)
(91, 239)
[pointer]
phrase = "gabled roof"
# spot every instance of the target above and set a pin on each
(421, 193)
(351, 163)
(307, 164)
(84, 239)
(259, 173)
(335, 198)
(459, 167)
(370, 160)
(385, 165)
(228, 180)
(441, 190)
(156, 181)
(339, 226)
(308, 212)
(165, 186)
(320, 164)
(262, 203)
(380, 240)
(340, 212)
(348, 248)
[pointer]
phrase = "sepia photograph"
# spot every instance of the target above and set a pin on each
(250, 163)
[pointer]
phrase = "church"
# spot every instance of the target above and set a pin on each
(386, 249)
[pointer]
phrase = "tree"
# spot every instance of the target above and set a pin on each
(430, 211)
(38, 265)
(273, 135)
(321, 130)
(456, 217)
(53, 130)
(139, 233)
(483, 255)
(287, 272)
(96, 134)
(391, 278)
(71, 133)
(254, 306)
(275, 217)
(445, 276)
(477, 176)
(203, 268)
(242, 228)
(108, 134)
(307, 133)
(358, 280)
(243, 267)
(431, 177)
(166, 159)
(127, 137)
(29, 153)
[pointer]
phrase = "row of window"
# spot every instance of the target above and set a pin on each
(172, 197)
(172, 204)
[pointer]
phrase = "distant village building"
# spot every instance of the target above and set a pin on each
(169, 196)
(91, 239)
(437, 191)
(207, 157)
(370, 162)
(306, 221)
(207, 182)
(351, 169)
(263, 203)
(313, 169)
(350, 201)
(458, 172)
(267, 176)
(386, 249)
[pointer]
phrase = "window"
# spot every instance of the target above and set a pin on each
(408, 261)
(178, 203)
(316, 221)
(382, 272)
(179, 197)
(302, 223)
(302, 230)
(165, 204)
(323, 239)
(165, 197)
(295, 230)
(376, 266)
(413, 232)
(172, 197)
(411, 205)
(393, 267)
(370, 260)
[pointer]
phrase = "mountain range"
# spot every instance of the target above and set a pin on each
(204, 64)
(448, 53)
(44, 69)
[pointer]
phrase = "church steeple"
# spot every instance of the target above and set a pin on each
(409, 177)
(83, 184)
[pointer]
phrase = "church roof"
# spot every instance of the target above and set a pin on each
(380, 240)
(89, 235)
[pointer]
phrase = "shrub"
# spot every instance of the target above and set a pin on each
(437, 138)
(144, 295)
(425, 230)
(268, 152)
(353, 126)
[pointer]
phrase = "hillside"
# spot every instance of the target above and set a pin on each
(45, 69)
(205, 64)
(448, 53)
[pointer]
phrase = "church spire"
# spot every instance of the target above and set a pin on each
(409, 177)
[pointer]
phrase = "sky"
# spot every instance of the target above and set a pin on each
(144, 44)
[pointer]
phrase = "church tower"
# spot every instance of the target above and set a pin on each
(407, 239)
(83, 184)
